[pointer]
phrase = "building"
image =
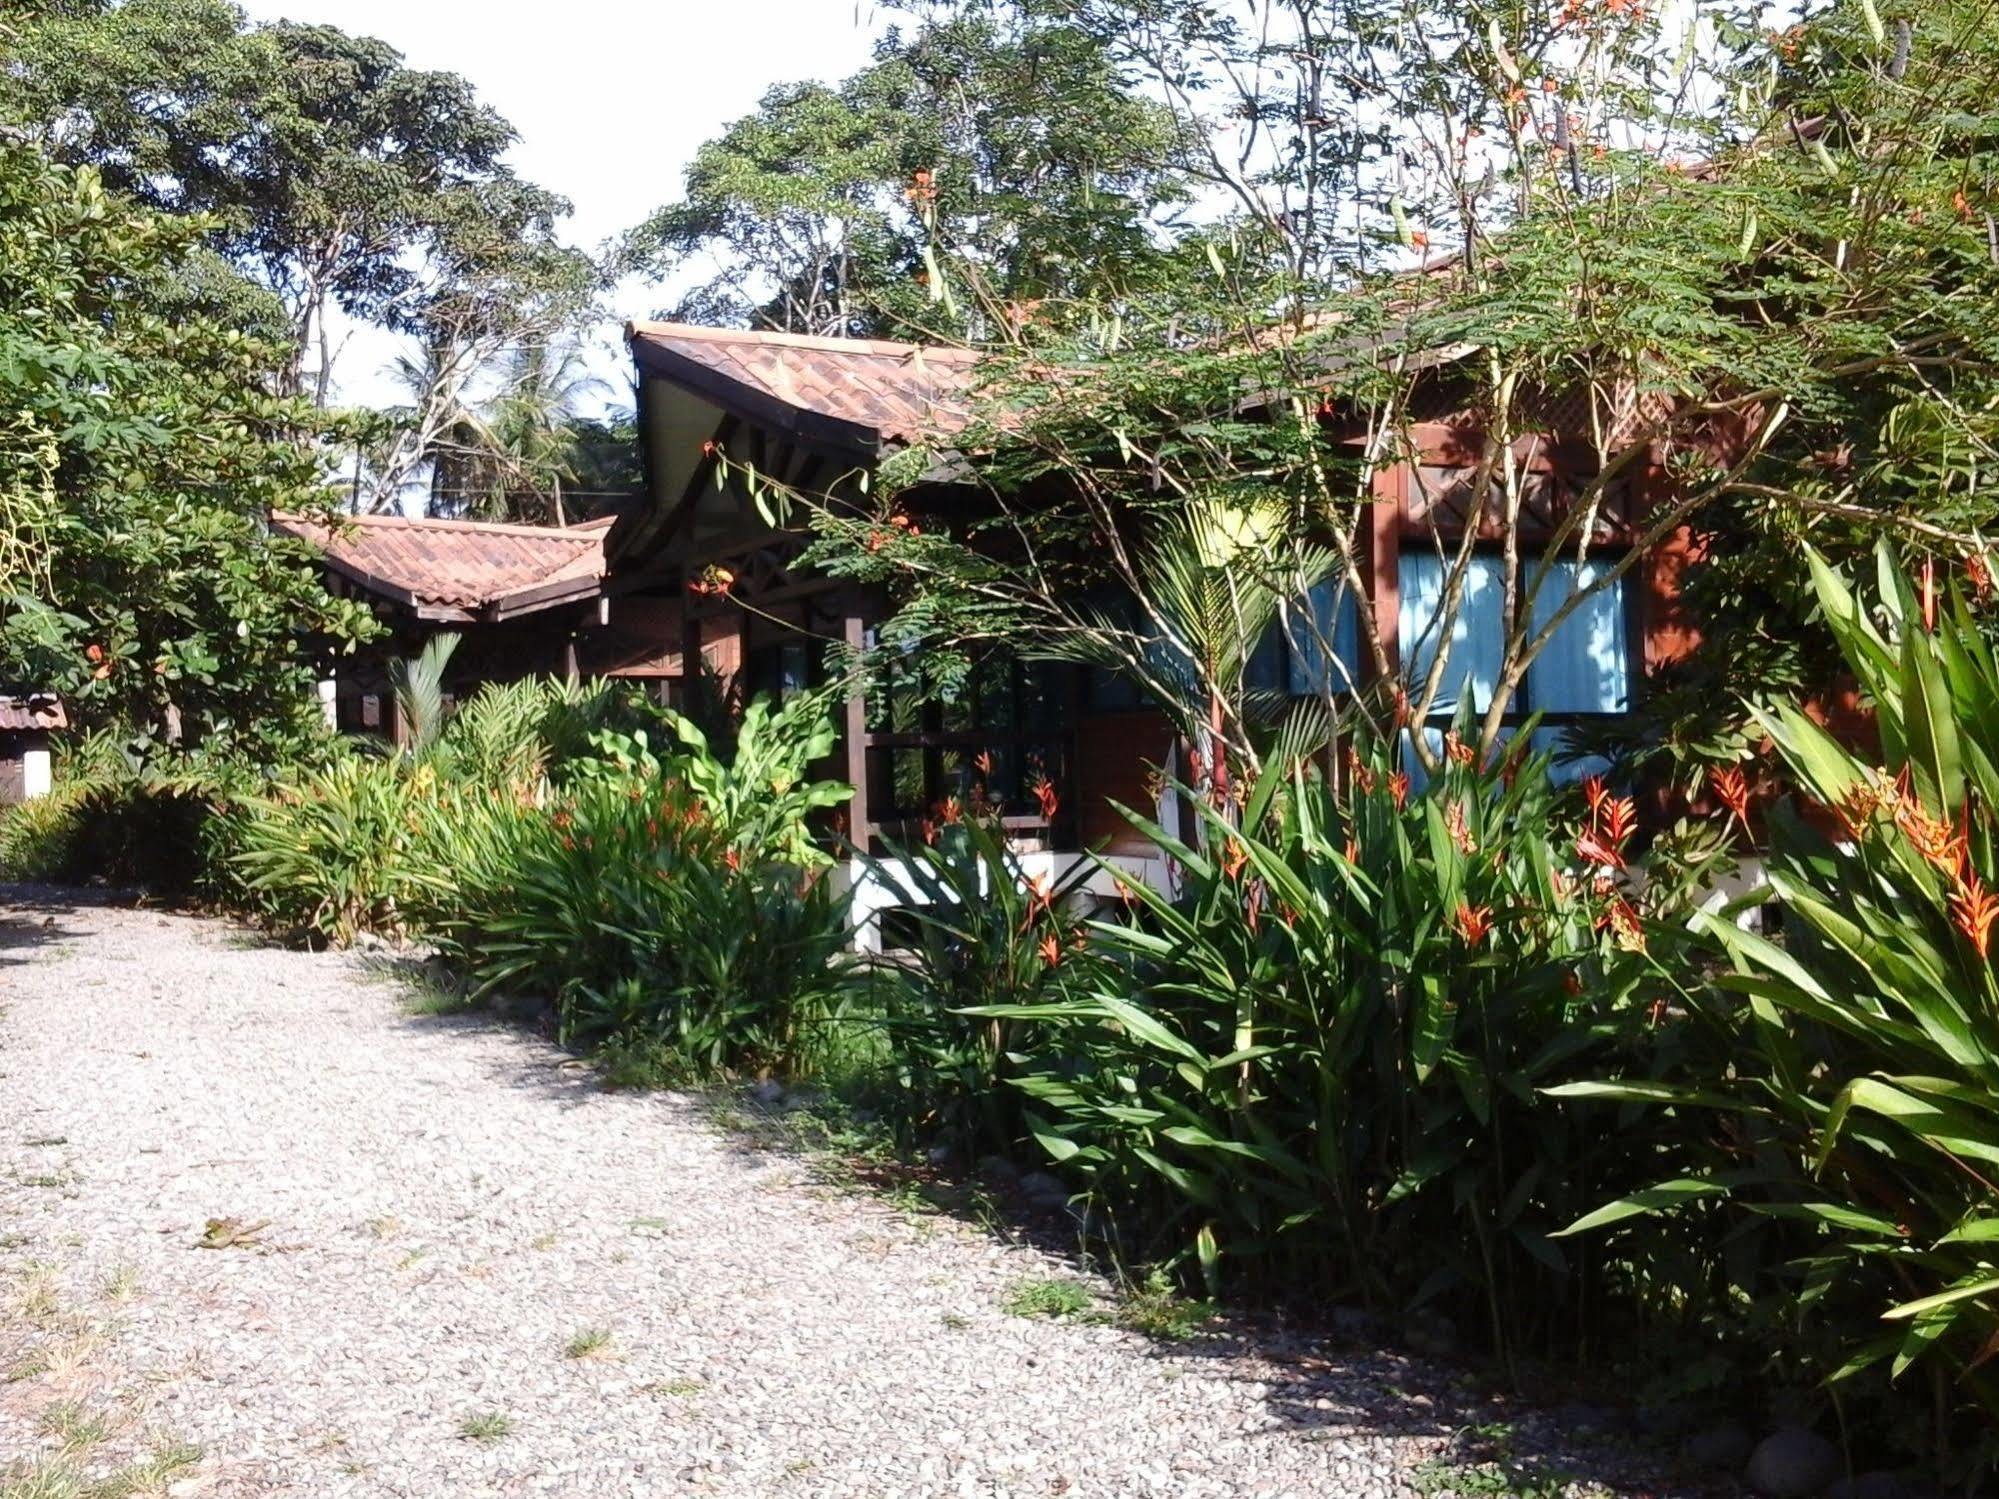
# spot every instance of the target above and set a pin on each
(815, 413)
(27, 720)
(525, 601)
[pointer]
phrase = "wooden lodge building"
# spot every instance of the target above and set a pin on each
(634, 597)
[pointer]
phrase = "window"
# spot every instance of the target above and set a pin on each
(1328, 614)
(1584, 668)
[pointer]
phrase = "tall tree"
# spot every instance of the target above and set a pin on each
(334, 174)
(1014, 145)
(140, 452)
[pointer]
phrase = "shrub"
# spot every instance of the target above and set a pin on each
(1318, 1061)
(1854, 1068)
(669, 900)
(981, 932)
(138, 826)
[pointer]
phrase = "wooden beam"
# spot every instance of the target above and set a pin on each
(859, 819)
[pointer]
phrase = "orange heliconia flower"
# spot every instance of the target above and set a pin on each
(1459, 752)
(1234, 857)
(1929, 595)
(1398, 787)
(1472, 923)
(929, 827)
(1978, 573)
(952, 810)
(1460, 829)
(983, 760)
(1944, 846)
(1732, 790)
(1352, 850)
(1973, 908)
(1045, 795)
(1051, 949)
(1358, 769)
(1621, 917)
(733, 859)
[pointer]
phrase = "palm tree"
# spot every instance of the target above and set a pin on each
(531, 425)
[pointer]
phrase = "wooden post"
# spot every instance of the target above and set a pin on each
(858, 817)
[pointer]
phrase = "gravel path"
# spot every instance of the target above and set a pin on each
(481, 1274)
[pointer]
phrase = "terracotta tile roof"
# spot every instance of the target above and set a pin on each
(32, 710)
(880, 392)
(456, 565)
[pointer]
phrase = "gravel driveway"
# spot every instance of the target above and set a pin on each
(448, 1263)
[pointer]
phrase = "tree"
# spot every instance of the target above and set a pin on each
(1014, 145)
(140, 453)
(1806, 286)
(333, 174)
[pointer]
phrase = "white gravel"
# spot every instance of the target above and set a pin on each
(450, 1202)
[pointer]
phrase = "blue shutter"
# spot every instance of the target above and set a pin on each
(1334, 617)
(1586, 666)
(1476, 648)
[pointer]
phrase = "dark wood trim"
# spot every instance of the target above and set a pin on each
(854, 632)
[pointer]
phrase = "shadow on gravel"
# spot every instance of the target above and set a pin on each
(1318, 1379)
(38, 916)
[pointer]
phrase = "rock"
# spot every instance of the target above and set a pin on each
(1043, 1190)
(940, 1155)
(1792, 1462)
(769, 1093)
(1431, 1334)
(1880, 1484)
(998, 1169)
(1725, 1446)
(1580, 1417)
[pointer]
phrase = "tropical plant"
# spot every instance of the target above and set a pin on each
(974, 928)
(1852, 1067)
(1316, 1061)
(671, 900)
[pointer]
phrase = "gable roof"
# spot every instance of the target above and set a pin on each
(862, 392)
(459, 569)
(28, 711)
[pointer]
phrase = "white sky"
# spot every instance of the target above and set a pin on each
(611, 99)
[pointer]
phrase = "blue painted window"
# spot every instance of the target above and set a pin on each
(1585, 668)
(1328, 614)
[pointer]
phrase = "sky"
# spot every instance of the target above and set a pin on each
(611, 99)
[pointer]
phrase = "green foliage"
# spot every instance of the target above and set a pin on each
(1856, 1063)
(327, 170)
(666, 901)
(980, 932)
(137, 460)
(1315, 1064)
(133, 825)
(1011, 141)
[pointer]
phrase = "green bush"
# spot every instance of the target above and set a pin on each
(667, 900)
(1838, 1107)
(1317, 1063)
(131, 826)
(980, 931)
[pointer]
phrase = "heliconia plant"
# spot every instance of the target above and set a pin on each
(1853, 1071)
(978, 928)
(1315, 1063)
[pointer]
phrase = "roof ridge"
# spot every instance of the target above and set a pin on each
(444, 523)
(820, 343)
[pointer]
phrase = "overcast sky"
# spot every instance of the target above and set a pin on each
(611, 97)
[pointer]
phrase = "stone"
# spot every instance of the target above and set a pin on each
(998, 1169)
(1043, 1190)
(769, 1093)
(1792, 1462)
(1725, 1446)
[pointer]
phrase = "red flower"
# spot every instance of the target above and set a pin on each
(1973, 908)
(1732, 791)
(952, 810)
(983, 760)
(1051, 949)
(733, 859)
(1460, 829)
(1044, 794)
(1472, 923)
(1398, 787)
(1234, 857)
(1459, 752)
(94, 652)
